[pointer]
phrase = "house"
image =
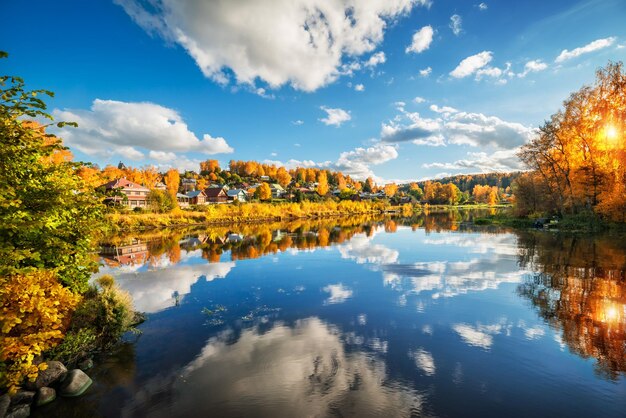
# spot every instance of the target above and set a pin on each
(183, 200)
(160, 186)
(132, 252)
(188, 184)
(277, 190)
(197, 197)
(216, 195)
(237, 195)
(130, 194)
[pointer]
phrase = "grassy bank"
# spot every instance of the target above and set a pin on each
(572, 223)
(244, 213)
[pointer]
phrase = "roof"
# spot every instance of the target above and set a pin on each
(194, 193)
(277, 186)
(125, 184)
(180, 195)
(234, 192)
(214, 192)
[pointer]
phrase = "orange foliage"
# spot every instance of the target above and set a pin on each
(35, 313)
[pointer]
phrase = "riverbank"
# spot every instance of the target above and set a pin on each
(248, 213)
(583, 223)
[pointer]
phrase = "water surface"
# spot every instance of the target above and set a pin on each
(366, 317)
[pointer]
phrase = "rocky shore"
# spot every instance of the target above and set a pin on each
(54, 381)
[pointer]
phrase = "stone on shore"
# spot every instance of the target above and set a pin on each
(85, 364)
(5, 401)
(55, 372)
(75, 384)
(23, 397)
(20, 411)
(45, 395)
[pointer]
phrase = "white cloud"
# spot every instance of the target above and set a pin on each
(421, 40)
(533, 66)
(473, 336)
(310, 360)
(443, 109)
(472, 64)
(376, 59)
(455, 24)
(338, 293)
(424, 361)
(419, 130)
(359, 87)
(482, 7)
(356, 163)
(452, 126)
(477, 129)
(296, 42)
(426, 72)
(362, 250)
(132, 129)
(161, 156)
(298, 122)
(501, 160)
(590, 47)
(154, 290)
(419, 99)
(334, 116)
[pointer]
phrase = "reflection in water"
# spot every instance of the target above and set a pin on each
(396, 317)
(580, 288)
(290, 371)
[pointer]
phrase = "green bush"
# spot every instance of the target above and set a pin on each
(107, 311)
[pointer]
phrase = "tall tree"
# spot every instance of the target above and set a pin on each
(322, 183)
(172, 182)
(48, 217)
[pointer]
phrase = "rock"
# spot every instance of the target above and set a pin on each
(20, 411)
(86, 364)
(55, 372)
(5, 401)
(75, 384)
(23, 397)
(45, 395)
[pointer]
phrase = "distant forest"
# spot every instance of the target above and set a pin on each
(466, 182)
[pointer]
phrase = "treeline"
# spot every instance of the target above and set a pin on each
(467, 182)
(577, 161)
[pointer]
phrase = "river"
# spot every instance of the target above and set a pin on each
(430, 316)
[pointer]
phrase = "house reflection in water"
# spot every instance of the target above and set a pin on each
(132, 252)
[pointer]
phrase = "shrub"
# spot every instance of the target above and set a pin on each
(107, 311)
(35, 313)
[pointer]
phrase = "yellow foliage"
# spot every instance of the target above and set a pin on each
(35, 312)
(248, 212)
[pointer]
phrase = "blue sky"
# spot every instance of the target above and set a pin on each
(395, 89)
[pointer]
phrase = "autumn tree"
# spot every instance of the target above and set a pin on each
(48, 217)
(209, 166)
(263, 192)
(390, 189)
(322, 183)
(283, 177)
(416, 191)
(341, 182)
(172, 181)
(150, 176)
(579, 154)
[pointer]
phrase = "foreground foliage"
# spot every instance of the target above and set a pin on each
(47, 215)
(35, 312)
(249, 212)
(578, 159)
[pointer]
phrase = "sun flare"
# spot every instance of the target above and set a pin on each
(611, 132)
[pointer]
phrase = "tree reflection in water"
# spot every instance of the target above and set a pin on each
(579, 287)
